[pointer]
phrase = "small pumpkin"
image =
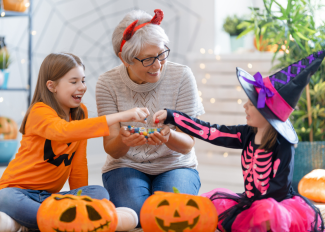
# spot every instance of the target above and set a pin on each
(312, 185)
(15, 5)
(8, 128)
(76, 213)
(264, 46)
(178, 212)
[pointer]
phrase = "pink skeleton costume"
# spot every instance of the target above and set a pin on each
(269, 201)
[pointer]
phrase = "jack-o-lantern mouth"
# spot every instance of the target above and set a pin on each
(101, 227)
(177, 226)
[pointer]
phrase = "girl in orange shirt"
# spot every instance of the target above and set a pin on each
(53, 147)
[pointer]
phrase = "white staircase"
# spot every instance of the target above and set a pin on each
(223, 100)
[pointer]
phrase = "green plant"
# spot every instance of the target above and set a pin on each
(4, 58)
(292, 28)
(231, 25)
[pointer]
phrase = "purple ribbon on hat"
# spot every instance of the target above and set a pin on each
(265, 92)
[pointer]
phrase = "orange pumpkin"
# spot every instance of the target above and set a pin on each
(312, 185)
(16, 5)
(8, 128)
(76, 213)
(264, 46)
(178, 212)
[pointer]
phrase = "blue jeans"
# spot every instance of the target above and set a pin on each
(129, 187)
(22, 204)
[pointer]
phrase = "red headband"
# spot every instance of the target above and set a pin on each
(131, 29)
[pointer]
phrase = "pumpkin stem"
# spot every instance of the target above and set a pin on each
(79, 192)
(175, 190)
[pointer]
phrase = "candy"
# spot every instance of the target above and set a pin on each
(146, 132)
(157, 121)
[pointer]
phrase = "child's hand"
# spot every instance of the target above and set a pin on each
(159, 117)
(135, 115)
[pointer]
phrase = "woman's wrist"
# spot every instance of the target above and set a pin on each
(180, 142)
(120, 148)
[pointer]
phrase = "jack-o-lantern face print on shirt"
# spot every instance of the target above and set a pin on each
(49, 154)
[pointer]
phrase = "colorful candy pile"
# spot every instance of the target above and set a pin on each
(143, 131)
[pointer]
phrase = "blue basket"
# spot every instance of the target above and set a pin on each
(8, 149)
(5, 78)
(308, 156)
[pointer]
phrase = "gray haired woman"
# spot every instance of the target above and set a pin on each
(136, 167)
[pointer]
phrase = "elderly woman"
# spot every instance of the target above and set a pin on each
(136, 167)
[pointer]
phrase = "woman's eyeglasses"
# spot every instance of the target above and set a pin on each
(149, 61)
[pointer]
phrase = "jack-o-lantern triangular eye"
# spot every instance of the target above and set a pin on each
(164, 202)
(192, 203)
(92, 213)
(69, 215)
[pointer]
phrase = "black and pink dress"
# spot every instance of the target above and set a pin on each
(269, 201)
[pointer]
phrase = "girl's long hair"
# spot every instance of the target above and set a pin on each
(268, 139)
(54, 67)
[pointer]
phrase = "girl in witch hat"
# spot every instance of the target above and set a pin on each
(269, 201)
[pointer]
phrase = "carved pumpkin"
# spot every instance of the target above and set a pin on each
(312, 185)
(8, 128)
(76, 213)
(16, 5)
(176, 212)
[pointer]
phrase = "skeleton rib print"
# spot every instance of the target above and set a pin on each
(257, 167)
(257, 164)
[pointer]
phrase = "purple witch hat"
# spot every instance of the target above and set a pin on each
(276, 96)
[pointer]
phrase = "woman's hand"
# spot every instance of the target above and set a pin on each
(131, 140)
(135, 115)
(160, 138)
(159, 117)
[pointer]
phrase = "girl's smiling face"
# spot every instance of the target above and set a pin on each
(253, 117)
(69, 90)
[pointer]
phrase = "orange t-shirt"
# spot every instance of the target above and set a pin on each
(52, 150)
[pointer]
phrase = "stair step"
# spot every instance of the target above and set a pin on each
(218, 176)
(203, 147)
(224, 119)
(227, 63)
(216, 78)
(223, 67)
(221, 92)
